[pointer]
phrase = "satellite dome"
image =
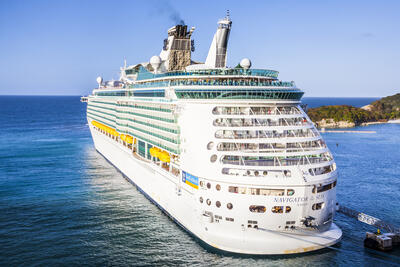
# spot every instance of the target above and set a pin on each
(155, 62)
(99, 80)
(245, 63)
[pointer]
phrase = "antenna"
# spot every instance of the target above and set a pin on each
(227, 14)
(125, 63)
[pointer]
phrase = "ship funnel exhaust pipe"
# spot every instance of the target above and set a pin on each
(217, 54)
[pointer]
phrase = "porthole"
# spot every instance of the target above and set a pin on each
(229, 206)
(265, 173)
(201, 183)
(213, 158)
(288, 209)
(201, 199)
(208, 202)
(208, 185)
(218, 204)
(210, 145)
(218, 187)
(256, 173)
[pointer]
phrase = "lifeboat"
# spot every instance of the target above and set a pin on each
(164, 157)
(129, 139)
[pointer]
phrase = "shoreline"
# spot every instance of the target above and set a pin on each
(349, 125)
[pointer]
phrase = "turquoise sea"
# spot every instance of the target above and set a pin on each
(62, 204)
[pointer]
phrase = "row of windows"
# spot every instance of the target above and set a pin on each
(102, 107)
(229, 82)
(274, 209)
(270, 147)
(150, 125)
(153, 142)
(276, 161)
(237, 94)
(323, 188)
(266, 110)
(138, 114)
(256, 173)
(260, 191)
(105, 113)
(112, 93)
(249, 134)
(172, 140)
(102, 118)
(149, 116)
(145, 107)
(148, 93)
(253, 122)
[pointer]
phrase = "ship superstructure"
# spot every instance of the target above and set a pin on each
(227, 153)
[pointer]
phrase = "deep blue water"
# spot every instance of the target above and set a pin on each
(313, 102)
(61, 203)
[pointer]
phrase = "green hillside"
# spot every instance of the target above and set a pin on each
(383, 109)
(342, 113)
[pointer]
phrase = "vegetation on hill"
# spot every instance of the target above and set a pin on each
(342, 113)
(383, 109)
(389, 106)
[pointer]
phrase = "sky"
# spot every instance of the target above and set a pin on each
(329, 48)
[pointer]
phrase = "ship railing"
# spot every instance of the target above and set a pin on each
(277, 162)
(260, 123)
(256, 111)
(261, 135)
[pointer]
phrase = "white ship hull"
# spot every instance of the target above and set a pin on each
(182, 205)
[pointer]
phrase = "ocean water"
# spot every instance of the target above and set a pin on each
(313, 102)
(61, 203)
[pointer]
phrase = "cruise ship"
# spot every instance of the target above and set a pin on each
(227, 153)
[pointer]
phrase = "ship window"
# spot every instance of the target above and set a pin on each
(210, 145)
(213, 158)
(201, 199)
(323, 188)
(288, 209)
(318, 206)
(257, 209)
(277, 209)
(290, 192)
(233, 189)
(208, 185)
(218, 204)
(208, 202)
(229, 206)
(218, 187)
(201, 183)
(229, 219)
(269, 192)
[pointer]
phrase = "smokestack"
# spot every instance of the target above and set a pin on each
(217, 54)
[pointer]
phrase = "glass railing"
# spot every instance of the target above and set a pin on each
(240, 134)
(144, 74)
(256, 111)
(235, 122)
(275, 161)
(213, 82)
(271, 147)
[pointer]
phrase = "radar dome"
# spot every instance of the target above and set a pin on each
(99, 80)
(245, 63)
(155, 62)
